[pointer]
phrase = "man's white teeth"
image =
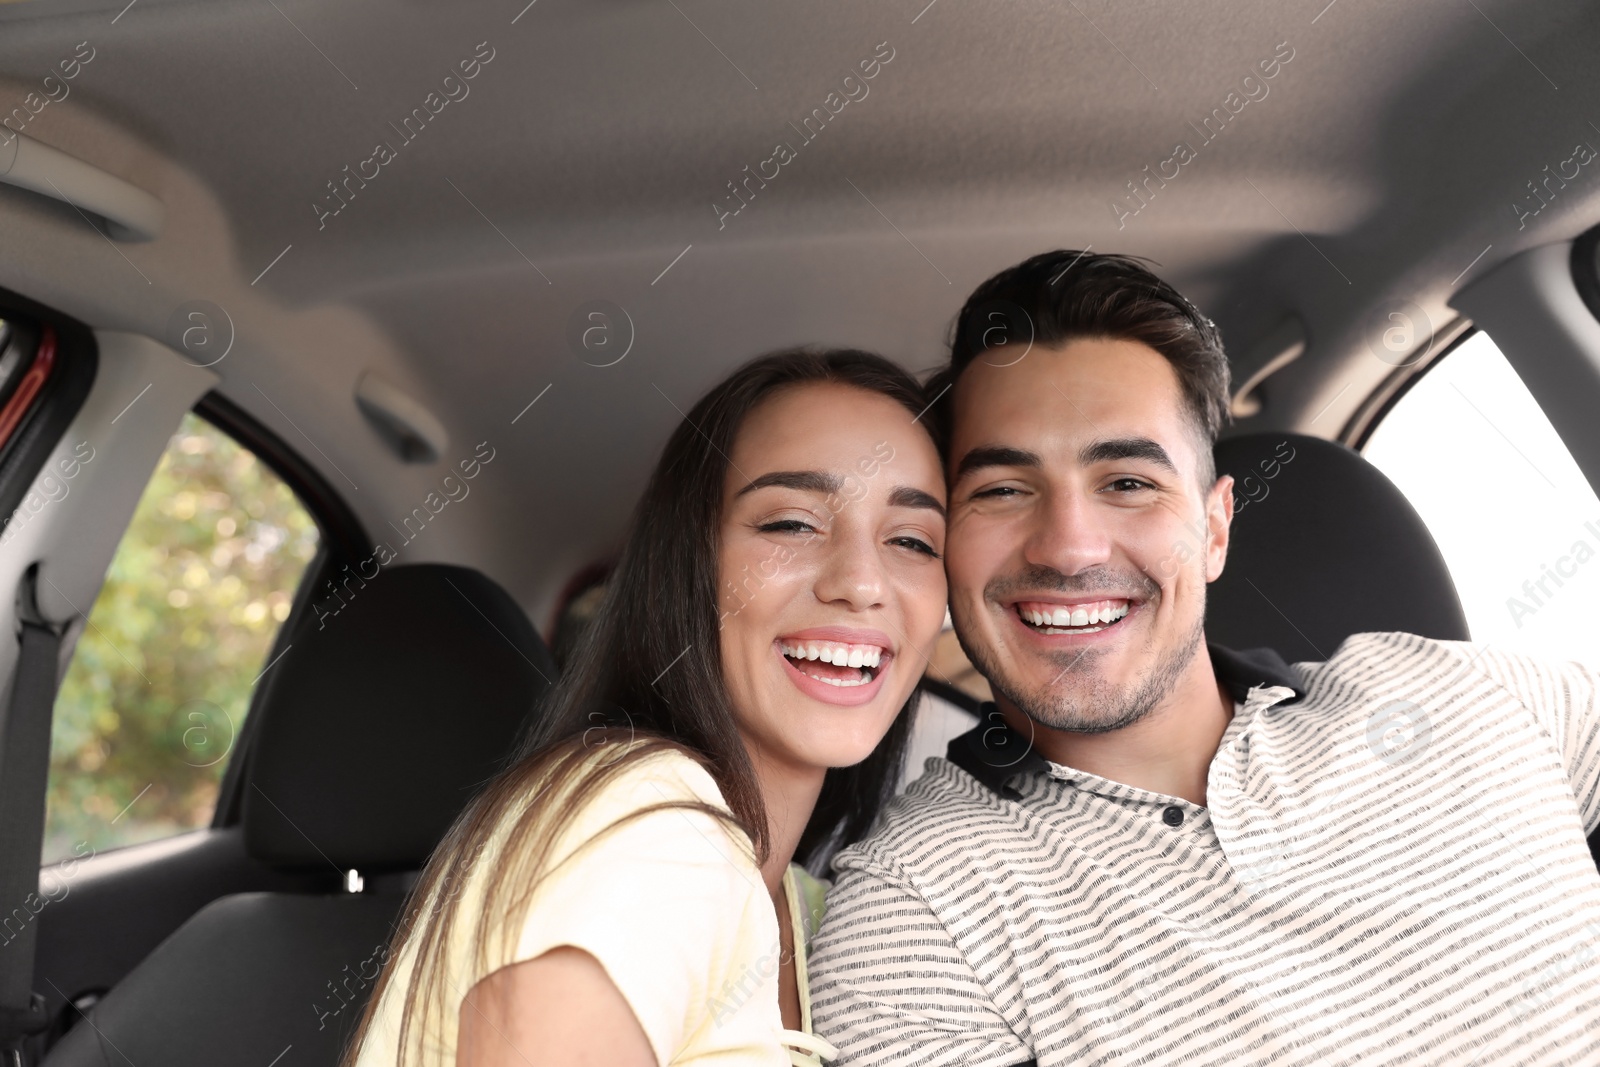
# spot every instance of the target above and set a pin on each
(1097, 615)
(840, 655)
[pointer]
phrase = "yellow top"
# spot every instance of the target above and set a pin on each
(805, 895)
(671, 904)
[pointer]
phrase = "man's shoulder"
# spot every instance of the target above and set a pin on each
(935, 809)
(1392, 665)
(1383, 654)
(1403, 653)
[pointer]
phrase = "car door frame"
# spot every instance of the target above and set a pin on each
(120, 904)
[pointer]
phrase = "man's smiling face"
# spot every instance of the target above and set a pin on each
(1081, 538)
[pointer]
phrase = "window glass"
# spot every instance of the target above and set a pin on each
(1518, 524)
(161, 676)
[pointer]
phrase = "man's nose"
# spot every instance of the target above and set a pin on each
(1069, 535)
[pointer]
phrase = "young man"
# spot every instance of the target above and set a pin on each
(1157, 851)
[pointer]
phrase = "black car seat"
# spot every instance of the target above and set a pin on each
(380, 723)
(1323, 546)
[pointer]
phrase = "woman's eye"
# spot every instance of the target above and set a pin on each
(916, 544)
(785, 526)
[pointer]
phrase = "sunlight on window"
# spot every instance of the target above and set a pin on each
(160, 679)
(1513, 515)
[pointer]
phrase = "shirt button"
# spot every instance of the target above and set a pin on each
(1173, 816)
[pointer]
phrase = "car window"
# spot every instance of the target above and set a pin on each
(1518, 524)
(161, 676)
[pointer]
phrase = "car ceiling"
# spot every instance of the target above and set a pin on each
(585, 159)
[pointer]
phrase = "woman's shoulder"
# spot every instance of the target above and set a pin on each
(639, 827)
(651, 773)
(649, 856)
(628, 791)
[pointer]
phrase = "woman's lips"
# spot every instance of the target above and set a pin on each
(844, 635)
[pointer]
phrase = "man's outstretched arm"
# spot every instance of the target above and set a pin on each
(1563, 698)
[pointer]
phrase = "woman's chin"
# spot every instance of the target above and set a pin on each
(835, 748)
(826, 736)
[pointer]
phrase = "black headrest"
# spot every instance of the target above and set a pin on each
(1323, 546)
(383, 718)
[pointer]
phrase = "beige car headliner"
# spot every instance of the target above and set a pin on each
(586, 159)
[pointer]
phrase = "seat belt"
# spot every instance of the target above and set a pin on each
(24, 776)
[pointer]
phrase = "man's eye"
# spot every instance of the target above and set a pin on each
(999, 491)
(1128, 485)
(916, 544)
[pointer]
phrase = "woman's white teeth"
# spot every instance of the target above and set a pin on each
(833, 652)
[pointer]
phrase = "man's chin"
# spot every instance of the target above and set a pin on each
(1080, 697)
(1090, 705)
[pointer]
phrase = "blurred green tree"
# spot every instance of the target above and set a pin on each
(160, 681)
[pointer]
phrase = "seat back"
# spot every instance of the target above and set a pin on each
(379, 725)
(384, 719)
(1323, 546)
(248, 978)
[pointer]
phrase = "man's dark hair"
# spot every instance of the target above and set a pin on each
(1059, 296)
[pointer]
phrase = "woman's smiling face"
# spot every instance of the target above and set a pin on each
(830, 581)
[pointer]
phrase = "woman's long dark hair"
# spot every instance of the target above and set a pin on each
(649, 671)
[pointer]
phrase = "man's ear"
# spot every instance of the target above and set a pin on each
(1219, 521)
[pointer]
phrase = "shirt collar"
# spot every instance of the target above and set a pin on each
(992, 752)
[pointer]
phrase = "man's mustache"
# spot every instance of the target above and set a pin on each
(1132, 585)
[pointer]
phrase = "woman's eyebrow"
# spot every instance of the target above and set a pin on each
(906, 496)
(805, 481)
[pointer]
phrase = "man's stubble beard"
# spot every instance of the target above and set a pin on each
(1101, 707)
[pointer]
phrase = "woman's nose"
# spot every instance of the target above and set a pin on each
(852, 575)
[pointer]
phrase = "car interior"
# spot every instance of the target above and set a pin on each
(336, 344)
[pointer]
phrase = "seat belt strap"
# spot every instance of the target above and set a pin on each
(24, 776)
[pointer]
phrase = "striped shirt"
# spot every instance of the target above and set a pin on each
(1391, 868)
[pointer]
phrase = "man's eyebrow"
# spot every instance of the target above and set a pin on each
(805, 481)
(996, 456)
(905, 496)
(1126, 448)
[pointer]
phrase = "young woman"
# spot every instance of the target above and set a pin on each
(623, 894)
